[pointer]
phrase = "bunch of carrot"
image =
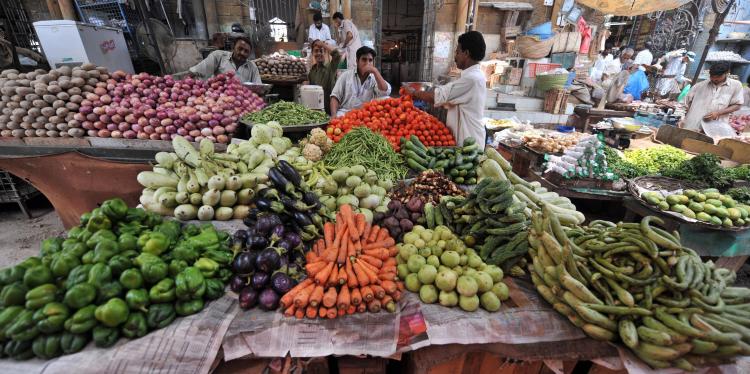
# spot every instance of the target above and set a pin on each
(352, 269)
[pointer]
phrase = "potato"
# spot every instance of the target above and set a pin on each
(42, 133)
(41, 119)
(88, 66)
(26, 125)
(102, 70)
(92, 81)
(39, 90)
(74, 91)
(12, 125)
(64, 96)
(13, 105)
(65, 70)
(62, 112)
(24, 82)
(34, 112)
(5, 98)
(40, 103)
(75, 98)
(103, 77)
(76, 132)
(44, 78)
(80, 74)
(31, 75)
(49, 98)
(72, 107)
(48, 112)
(87, 88)
(55, 120)
(53, 74)
(100, 84)
(93, 73)
(8, 90)
(6, 134)
(38, 125)
(64, 134)
(65, 85)
(16, 98)
(54, 89)
(4, 118)
(69, 117)
(74, 124)
(12, 76)
(62, 127)
(77, 81)
(7, 110)
(58, 104)
(31, 97)
(25, 104)
(40, 71)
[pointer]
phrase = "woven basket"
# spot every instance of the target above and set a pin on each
(548, 82)
(532, 47)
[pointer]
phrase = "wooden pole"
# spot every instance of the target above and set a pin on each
(212, 18)
(347, 9)
(54, 9)
(556, 11)
(712, 34)
(67, 9)
(463, 12)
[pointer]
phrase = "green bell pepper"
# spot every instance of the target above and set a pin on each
(88, 258)
(85, 217)
(79, 274)
(135, 326)
(37, 276)
(50, 246)
(47, 347)
(152, 219)
(135, 214)
(224, 275)
(160, 315)
(99, 275)
(98, 221)
(74, 232)
(153, 242)
(13, 294)
(63, 263)
(75, 247)
(162, 292)
(224, 258)
(72, 343)
(131, 279)
(51, 318)
(11, 275)
(80, 295)
(30, 262)
(19, 350)
(119, 263)
(207, 267)
(214, 289)
(131, 255)
(100, 235)
(109, 290)
(188, 307)
(116, 209)
(114, 313)
(190, 230)
(82, 321)
(152, 267)
(40, 295)
(7, 316)
(127, 242)
(190, 284)
(185, 252)
(105, 337)
(104, 250)
(137, 299)
(176, 266)
(23, 327)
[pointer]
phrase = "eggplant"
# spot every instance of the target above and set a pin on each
(265, 224)
(289, 203)
(275, 220)
(293, 239)
(263, 204)
(283, 261)
(290, 173)
(302, 219)
(280, 181)
(238, 282)
(282, 283)
(268, 299)
(268, 260)
(240, 236)
(257, 242)
(259, 280)
(310, 198)
(277, 233)
(244, 263)
(285, 245)
(248, 298)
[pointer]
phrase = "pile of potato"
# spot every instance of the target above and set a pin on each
(43, 103)
(282, 65)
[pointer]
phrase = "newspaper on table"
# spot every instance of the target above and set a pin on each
(187, 345)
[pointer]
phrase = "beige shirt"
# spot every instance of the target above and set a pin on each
(218, 62)
(705, 97)
(352, 92)
(348, 26)
(464, 99)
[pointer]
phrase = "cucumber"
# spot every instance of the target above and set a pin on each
(469, 141)
(414, 156)
(414, 139)
(419, 151)
(415, 165)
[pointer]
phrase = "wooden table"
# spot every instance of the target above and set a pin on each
(588, 114)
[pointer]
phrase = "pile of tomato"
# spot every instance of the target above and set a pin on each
(394, 118)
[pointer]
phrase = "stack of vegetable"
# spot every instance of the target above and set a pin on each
(357, 186)
(438, 266)
(281, 66)
(122, 272)
(315, 145)
(46, 103)
(361, 146)
(400, 218)
(458, 163)
(394, 119)
(647, 161)
(706, 205)
(350, 270)
(429, 186)
(287, 114)
(206, 185)
(706, 170)
(637, 284)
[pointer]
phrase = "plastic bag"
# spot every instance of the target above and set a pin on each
(718, 129)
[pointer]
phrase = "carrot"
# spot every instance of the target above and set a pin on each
(351, 277)
(390, 261)
(400, 286)
(353, 248)
(323, 275)
(379, 253)
(362, 277)
(387, 277)
(379, 291)
(388, 269)
(329, 298)
(341, 312)
(340, 224)
(316, 296)
(333, 280)
(322, 312)
(366, 232)
(328, 233)
(311, 257)
(383, 235)
(397, 295)
(340, 235)
(311, 312)
(376, 262)
(344, 298)
(313, 268)
(385, 243)
(288, 298)
(356, 296)
(343, 276)
(289, 312)
(361, 308)
(373, 234)
(303, 297)
(388, 303)
(299, 314)
(351, 309)
(370, 271)
(389, 286)
(373, 306)
(393, 251)
(348, 215)
(343, 250)
(360, 221)
(332, 313)
(367, 294)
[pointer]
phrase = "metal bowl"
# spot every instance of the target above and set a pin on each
(419, 86)
(259, 89)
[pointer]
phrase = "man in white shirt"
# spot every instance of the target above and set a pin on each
(644, 58)
(358, 86)
(319, 31)
(465, 96)
(713, 99)
(349, 35)
(237, 61)
(674, 71)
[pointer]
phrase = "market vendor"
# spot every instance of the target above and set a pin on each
(465, 96)
(349, 39)
(357, 86)
(644, 58)
(323, 73)
(319, 31)
(236, 61)
(673, 73)
(713, 99)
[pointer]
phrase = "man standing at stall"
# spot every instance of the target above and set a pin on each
(674, 73)
(713, 99)
(358, 86)
(236, 61)
(465, 96)
(324, 74)
(644, 58)
(349, 36)
(319, 30)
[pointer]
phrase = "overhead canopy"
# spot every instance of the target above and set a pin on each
(632, 7)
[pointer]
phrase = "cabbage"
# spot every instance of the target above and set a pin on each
(362, 191)
(281, 145)
(370, 202)
(278, 131)
(269, 150)
(261, 134)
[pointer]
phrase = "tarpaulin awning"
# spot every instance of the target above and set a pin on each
(632, 7)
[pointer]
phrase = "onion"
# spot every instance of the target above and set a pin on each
(182, 131)
(218, 130)
(116, 134)
(99, 125)
(150, 113)
(87, 125)
(165, 137)
(93, 133)
(148, 129)
(142, 135)
(137, 128)
(105, 118)
(194, 133)
(123, 126)
(231, 128)
(160, 130)
(130, 134)
(222, 139)
(85, 109)
(103, 133)
(189, 138)
(99, 110)
(110, 111)
(154, 137)
(111, 127)
(206, 131)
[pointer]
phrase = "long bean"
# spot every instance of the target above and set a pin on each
(361, 146)
(287, 114)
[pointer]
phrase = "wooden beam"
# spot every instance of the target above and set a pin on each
(67, 9)
(54, 9)
(347, 5)
(463, 12)
(556, 11)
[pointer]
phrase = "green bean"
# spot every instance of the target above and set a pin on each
(287, 114)
(361, 146)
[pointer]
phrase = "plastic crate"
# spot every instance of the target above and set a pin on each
(535, 68)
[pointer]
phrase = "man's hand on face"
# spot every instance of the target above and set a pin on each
(370, 69)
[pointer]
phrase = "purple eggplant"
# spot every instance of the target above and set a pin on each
(240, 236)
(283, 261)
(282, 283)
(244, 263)
(290, 173)
(238, 282)
(259, 280)
(268, 260)
(257, 242)
(248, 298)
(310, 198)
(268, 299)
(302, 219)
(263, 205)
(277, 233)
(293, 239)
(284, 244)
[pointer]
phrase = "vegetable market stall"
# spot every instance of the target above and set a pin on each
(589, 114)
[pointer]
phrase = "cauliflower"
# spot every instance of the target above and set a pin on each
(312, 152)
(277, 130)
(318, 137)
(327, 146)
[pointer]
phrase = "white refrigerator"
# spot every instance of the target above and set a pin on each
(74, 43)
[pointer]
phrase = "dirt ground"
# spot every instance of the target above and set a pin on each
(20, 236)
